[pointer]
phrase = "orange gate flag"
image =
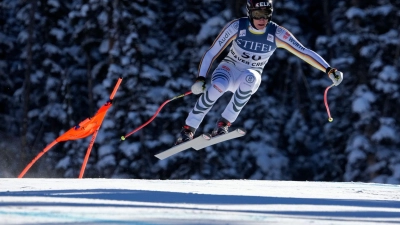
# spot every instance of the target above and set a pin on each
(84, 129)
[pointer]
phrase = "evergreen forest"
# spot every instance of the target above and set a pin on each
(60, 60)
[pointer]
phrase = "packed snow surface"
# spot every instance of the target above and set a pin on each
(209, 202)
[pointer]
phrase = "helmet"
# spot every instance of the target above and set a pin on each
(257, 5)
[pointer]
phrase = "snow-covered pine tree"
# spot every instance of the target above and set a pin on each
(368, 50)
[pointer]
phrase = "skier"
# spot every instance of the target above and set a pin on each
(254, 39)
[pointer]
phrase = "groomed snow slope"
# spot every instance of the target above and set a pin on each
(209, 202)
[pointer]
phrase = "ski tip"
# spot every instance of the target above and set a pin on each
(159, 157)
(241, 131)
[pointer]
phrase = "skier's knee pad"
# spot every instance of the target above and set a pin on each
(220, 83)
(219, 87)
(251, 79)
(221, 78)
(215, 90)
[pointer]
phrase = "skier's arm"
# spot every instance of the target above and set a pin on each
(285, 39)
(224, 38)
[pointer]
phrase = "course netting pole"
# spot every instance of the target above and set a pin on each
(48, 147)
(88, 154)
(84, 163)
(84, 129)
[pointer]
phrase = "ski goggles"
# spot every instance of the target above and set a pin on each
(259, 14)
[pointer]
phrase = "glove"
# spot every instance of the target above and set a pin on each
(335, 75)
(199, 86)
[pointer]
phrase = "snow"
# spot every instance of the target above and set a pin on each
(384, 132)
(387, 80)
(104, 46)
(108, 160)
(58, 33)
(53, 3)
(51, 49)
(131, 37)
(64, 163)
(130, 201)
(356, 155)
(391, 37)
(364, 99)
(23, 36)
(396, 170)
(130, 149)
(210, 28)
(105, 150)
(103, 18)
(355, 12)
(382, 10)
(84, 10)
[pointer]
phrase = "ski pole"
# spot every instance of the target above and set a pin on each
(154, 116)
(330, 119)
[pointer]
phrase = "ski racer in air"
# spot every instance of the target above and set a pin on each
(254, 39)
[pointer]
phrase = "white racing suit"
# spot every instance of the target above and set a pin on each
(240, 71)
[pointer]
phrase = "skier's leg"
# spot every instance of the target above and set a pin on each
(246, 85)
(221, 81)
(197, 114)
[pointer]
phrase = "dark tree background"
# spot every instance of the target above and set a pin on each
(59, 61)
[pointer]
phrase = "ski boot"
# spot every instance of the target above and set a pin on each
(221, 128)
(186, 134)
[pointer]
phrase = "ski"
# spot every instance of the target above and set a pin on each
(201, 142)
(185, 145)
